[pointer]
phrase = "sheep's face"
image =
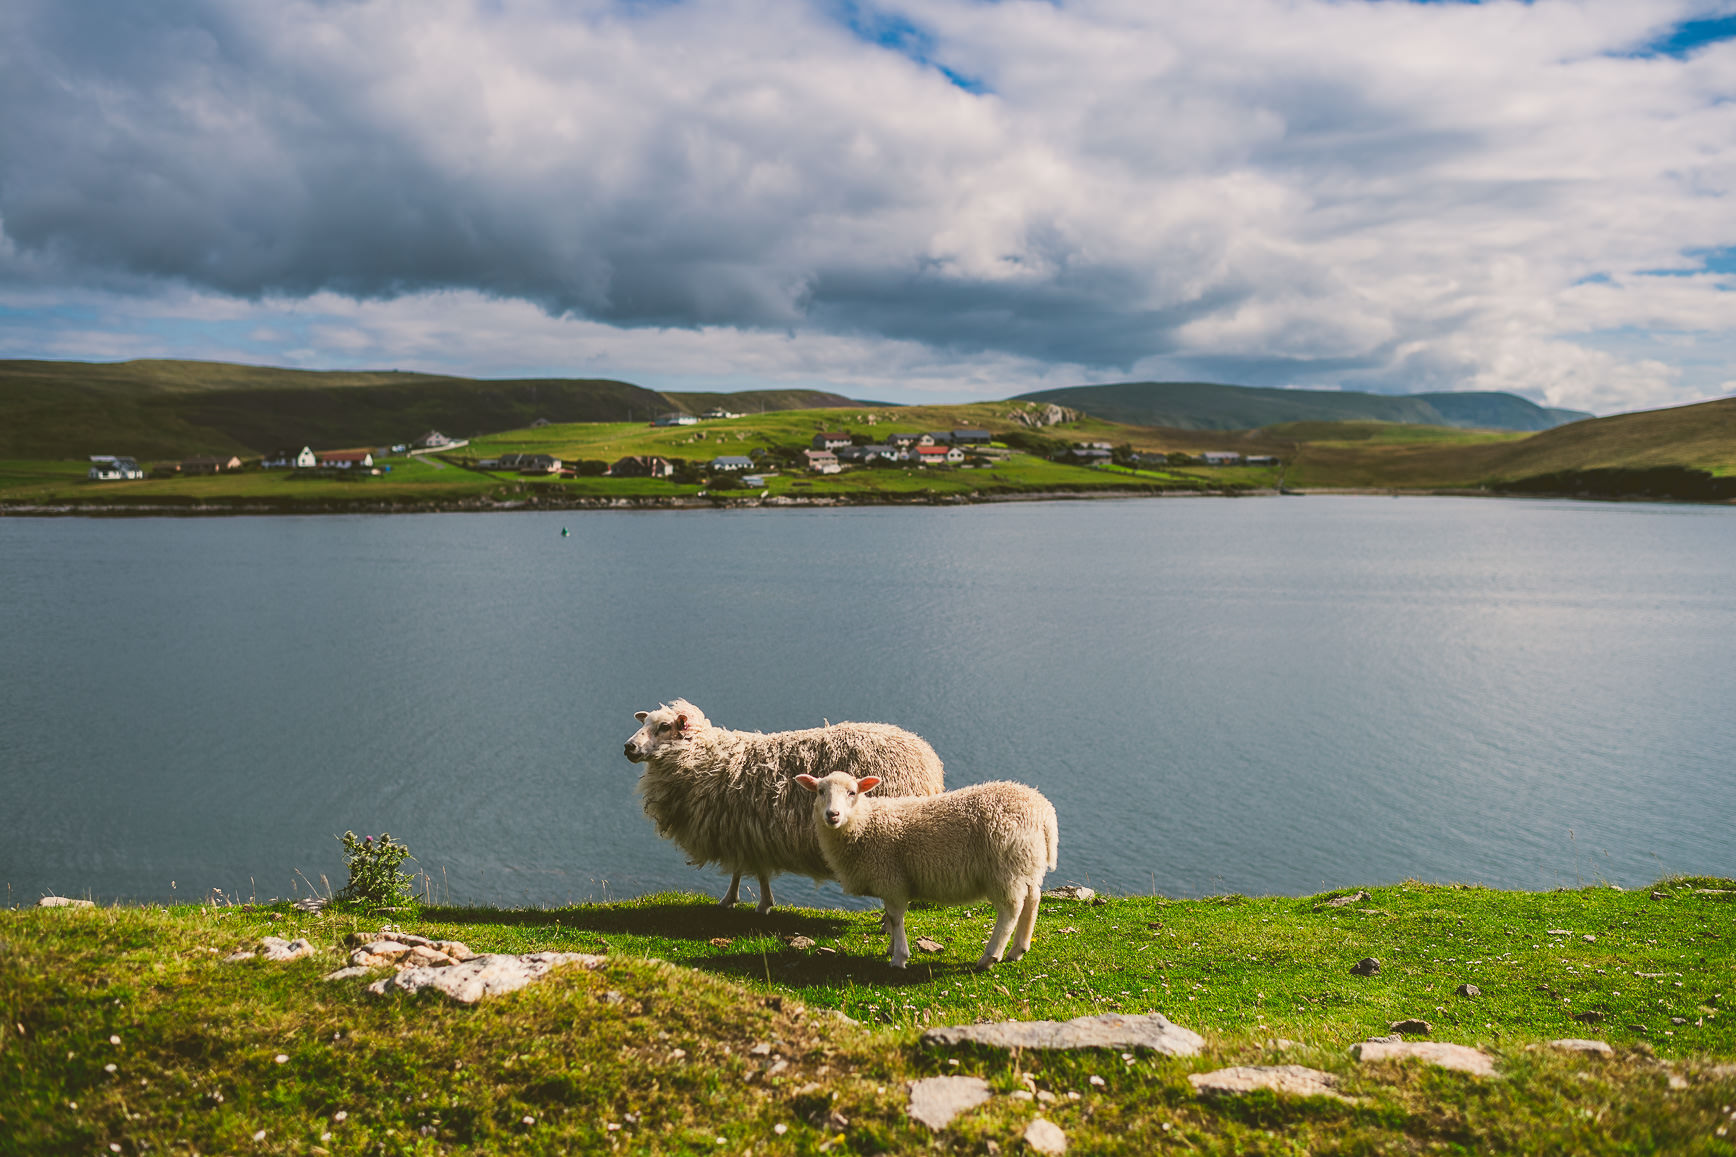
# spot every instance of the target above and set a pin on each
(836, 795)
(663, 729)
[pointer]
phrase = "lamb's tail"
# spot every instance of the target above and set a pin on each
(1052, 834)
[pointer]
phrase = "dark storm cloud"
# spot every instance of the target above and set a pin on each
(1273, 192)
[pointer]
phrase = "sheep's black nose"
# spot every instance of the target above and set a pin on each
(629, 750)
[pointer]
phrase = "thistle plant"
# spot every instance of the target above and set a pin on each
(375, 878)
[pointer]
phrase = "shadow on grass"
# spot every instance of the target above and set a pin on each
(670, 918)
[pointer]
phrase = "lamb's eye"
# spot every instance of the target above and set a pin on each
(663, 727)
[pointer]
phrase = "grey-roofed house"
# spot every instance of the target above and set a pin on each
(731, 462)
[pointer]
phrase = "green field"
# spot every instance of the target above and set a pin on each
(126, 1033)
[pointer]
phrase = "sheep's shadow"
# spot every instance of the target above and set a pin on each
(805, 969)
(667, 919)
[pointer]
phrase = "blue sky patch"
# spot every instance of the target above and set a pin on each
(1689, 35)
(890, 30)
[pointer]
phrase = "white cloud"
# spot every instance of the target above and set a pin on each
(1315, 192)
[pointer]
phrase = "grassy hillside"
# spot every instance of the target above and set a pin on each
(171, 409)
(126, 1032)
(1210, 406)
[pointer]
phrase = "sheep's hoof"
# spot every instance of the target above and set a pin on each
(896, 963)
(986, 963)
(726, 902)
(763, 909)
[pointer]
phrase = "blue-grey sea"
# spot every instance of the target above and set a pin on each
(1252, 695)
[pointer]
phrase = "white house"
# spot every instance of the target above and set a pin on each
(731, 462)
(346, 459)
(676, 420)
(282, 459)
(939, 455)
(109, 468)
(1220, 457)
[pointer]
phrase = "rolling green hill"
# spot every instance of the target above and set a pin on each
(1209, 406)
(165, 409)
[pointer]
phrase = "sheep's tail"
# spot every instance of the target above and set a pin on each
(1052, 834)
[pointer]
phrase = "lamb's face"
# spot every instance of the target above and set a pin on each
(659, 730)
(836, 795)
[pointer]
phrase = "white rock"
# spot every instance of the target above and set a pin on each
(1119, 1031)
(1447, 1056)
(483, 976)
(1069, 892)
(1590, 1047)
(346, 973)
(63, 902)
(1045, 1136)
(1296, 1080)
(935, 1101)
(274, 948)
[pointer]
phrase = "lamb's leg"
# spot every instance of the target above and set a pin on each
(730, 897)
(895, 921)
(765, 904)
(1027, 921)
(1006, 912)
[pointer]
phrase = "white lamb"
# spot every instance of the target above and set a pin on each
(725, 798)
(990, 840)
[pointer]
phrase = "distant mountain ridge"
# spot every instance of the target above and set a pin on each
(1214, 406)
(164, 409)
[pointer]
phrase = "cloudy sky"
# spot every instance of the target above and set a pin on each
(931, 200)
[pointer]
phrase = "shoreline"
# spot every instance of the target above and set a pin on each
(243, 508)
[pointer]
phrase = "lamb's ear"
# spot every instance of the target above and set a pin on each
(868, 783)
(808, 782)
(681, 723)
(640, 715)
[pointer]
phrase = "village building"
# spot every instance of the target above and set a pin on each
(641, 466)
(822, 461)
(210, 464)
(971, 437)
(303, 459)
(1220, 457)
(346, 459)
(830, 441)
(939, 455)
(112, 468)
(432, 440)
(676, 420)
(731, 462)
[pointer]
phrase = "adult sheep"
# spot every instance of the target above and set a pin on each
(727, 797)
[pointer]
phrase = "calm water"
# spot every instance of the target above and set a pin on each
(1263, 695)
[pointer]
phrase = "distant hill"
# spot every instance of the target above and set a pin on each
(1211, 406)
(164, 409)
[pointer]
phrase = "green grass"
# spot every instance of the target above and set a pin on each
(195, 1068)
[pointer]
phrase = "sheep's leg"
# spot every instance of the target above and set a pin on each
(734, 893)
(1006, 912)
(895, 921)
(765, 904)
(1027, 921)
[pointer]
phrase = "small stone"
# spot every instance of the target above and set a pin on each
(273, 948)
(1070, 892)
(826, 950)
(611, 997)
(935, 1101)
(1096, 1081)
(1677, 1081)
(280, 1059)
(1447, 1056)
(1419, 1027)
(1393, 1039)
(1343, 901)
(1045, 1136)
(1468, 990)
(1589, 1016)
(1561, 932)
(63, 902)
(762, 1049)
(721, 941)
(484, 975)
(1022, 1095)
(1678, 1020)
(1046, 1097)
(1588, 1047)
(927, 945)
(347, 973)
(1293, 1079)
(1367, 966)
(801, 943)
(1659, 896)
(1589, 938)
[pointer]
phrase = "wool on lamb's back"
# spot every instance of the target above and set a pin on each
(727, 797)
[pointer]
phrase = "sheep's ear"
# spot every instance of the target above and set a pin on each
(868, 783)
(640, 715)
(808, 782)
(681, 723)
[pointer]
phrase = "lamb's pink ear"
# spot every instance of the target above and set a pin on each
(808, 782)
(681, 723)
(640, 715)
(868, 783)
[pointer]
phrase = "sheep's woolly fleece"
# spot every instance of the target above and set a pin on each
(727, 797)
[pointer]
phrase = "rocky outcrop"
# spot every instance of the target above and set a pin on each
(482, 976)
(1153, 1032)
(1297, 1080)
(1460, 1057)
(935, 1101)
